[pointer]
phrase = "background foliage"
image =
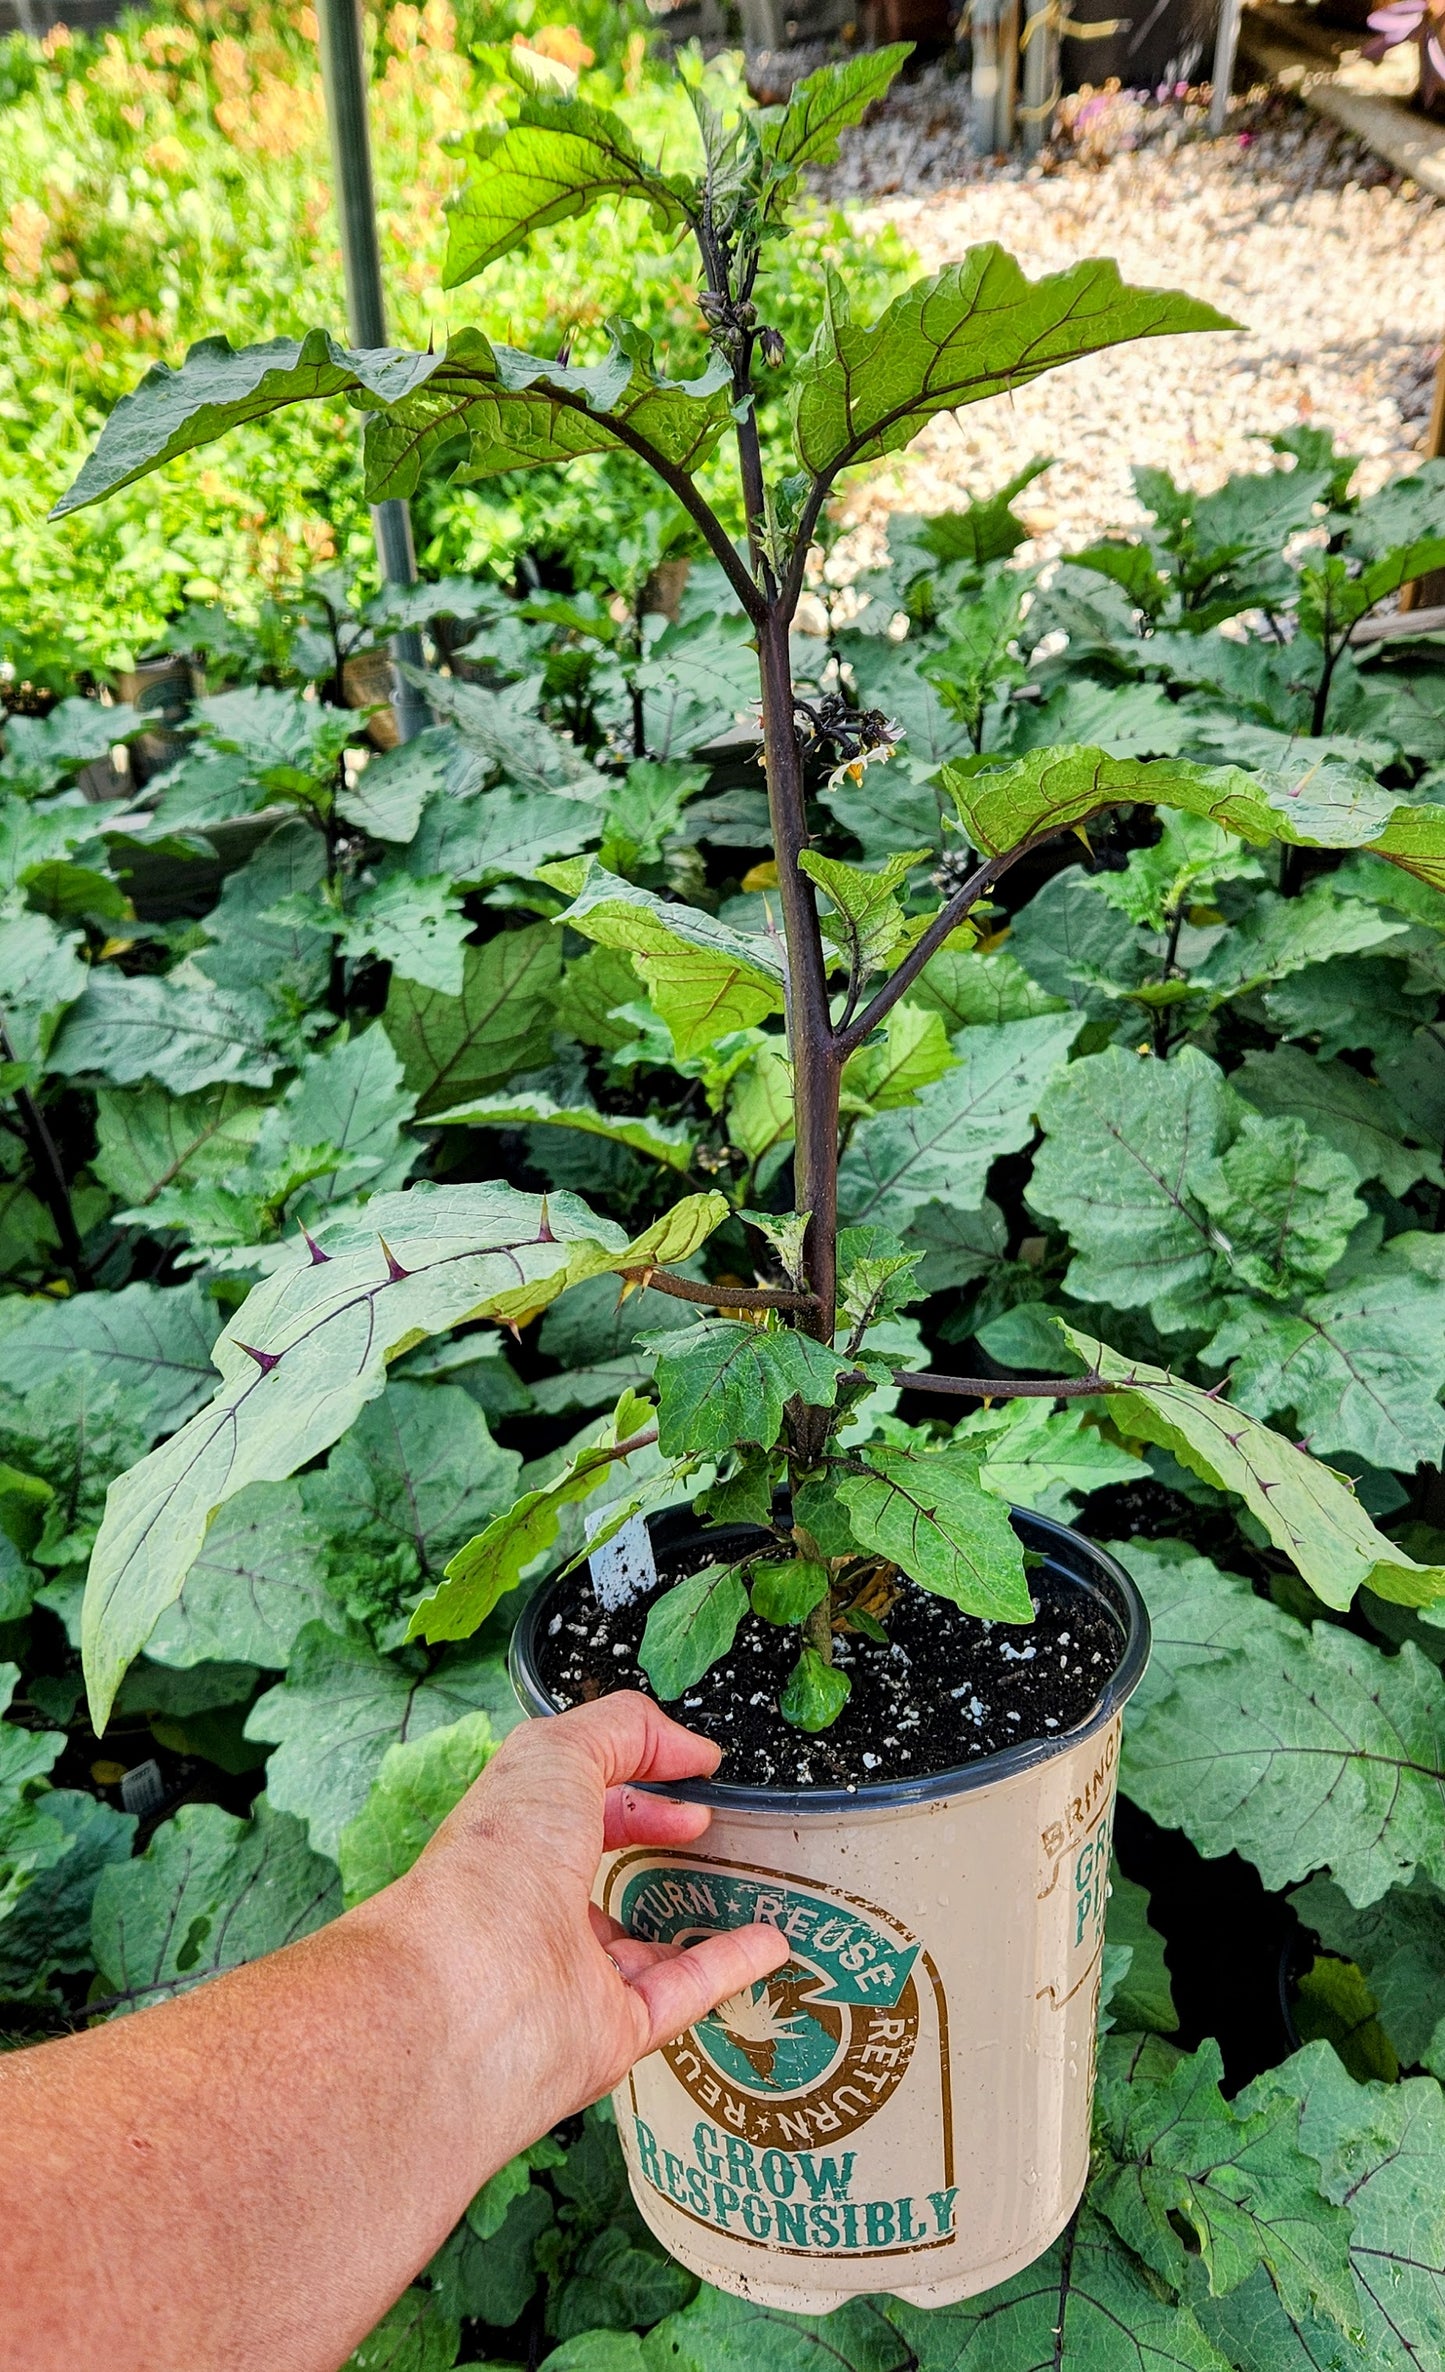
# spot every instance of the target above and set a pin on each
(1180, 1094)
(1184, 1094)
(169, 180)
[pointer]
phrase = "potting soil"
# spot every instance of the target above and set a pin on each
(947, 1689)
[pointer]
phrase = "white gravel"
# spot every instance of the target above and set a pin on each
(1334, 267)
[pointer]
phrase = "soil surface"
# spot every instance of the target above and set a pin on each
(946, 1689)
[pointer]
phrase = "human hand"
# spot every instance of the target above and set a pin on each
(568, 2000)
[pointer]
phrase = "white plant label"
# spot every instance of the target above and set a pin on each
(624, 1564)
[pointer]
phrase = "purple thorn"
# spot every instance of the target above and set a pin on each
(546, 1236)
(265, 1360)
(394, 1269)
(312, 1246)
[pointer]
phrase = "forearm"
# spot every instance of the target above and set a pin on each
(261, 2165)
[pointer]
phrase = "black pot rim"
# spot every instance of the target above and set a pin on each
(1067, 1554)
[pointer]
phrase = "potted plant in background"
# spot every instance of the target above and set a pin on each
(921, 1692)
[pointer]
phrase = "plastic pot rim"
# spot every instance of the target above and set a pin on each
(1063, 1549)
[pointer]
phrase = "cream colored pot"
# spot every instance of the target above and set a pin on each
(905, 2107)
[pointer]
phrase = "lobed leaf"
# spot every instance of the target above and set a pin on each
(928, 1511)
(560, 158)
(1308, 1510)
(217, 388)
(975, 329)
(301, 1358)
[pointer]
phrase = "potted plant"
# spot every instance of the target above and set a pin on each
(921, 1692)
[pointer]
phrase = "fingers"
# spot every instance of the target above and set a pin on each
(633, 1819)
(679, 1991)
(628, 1737)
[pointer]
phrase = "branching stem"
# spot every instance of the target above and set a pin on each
(719, 1297)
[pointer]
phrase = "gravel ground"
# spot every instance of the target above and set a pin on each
(1335, 267)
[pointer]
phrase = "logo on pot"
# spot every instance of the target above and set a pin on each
(811, 2053)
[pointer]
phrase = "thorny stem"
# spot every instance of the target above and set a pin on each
(49, 1172)
(947, 919)
(993, 1387)
(720, 1297)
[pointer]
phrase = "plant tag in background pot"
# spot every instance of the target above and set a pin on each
(624, 1565)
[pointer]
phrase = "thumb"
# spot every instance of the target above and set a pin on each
(679, 1991)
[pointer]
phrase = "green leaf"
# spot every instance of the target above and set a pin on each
(816, 1693)
(523, 411)
(970, 990)
(419, 1782)
(291, 745)
(181, 1031)
(209, 1893)
(911, 1051)
(153, 1342)
(867, 922)
(1301, 1749)
(1283, 1202)
(975, 329)
(875, 1277)
(703, 977)
(387, 798)
(718, 2333)
(1238, 2184)
(1038, 1456)
(216, 388)
(1141, 1999)
(1333, 2003)
(487, 1567)
(299, 1361)
(418, 1468)
(500, 729)
(1084, 2306)
(690, 1627)
(1337, 1103)
(416, 926)
(941, 1147)
(258, 1580)
(1319, 804)
(785, 1591)
(454, 1047)
(415, 2335)
(488, 2268)
(928, 1511)
(1307, 1509)
(1279, 936)
(75, 1433)
(1399, 1944)
(342, 1705)
(149, 1140)
(43, 974)
(1123, 1139)
(351, 1098)
(1382, 2152)
(45, 1926)
(806, 130)
(1361, 1365)
(559, 159)
(720, 1383)
(672, 1143)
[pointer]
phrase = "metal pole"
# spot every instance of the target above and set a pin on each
(1226, 42)
(343, 77)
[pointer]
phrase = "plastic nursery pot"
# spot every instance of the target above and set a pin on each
(906, 2106)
